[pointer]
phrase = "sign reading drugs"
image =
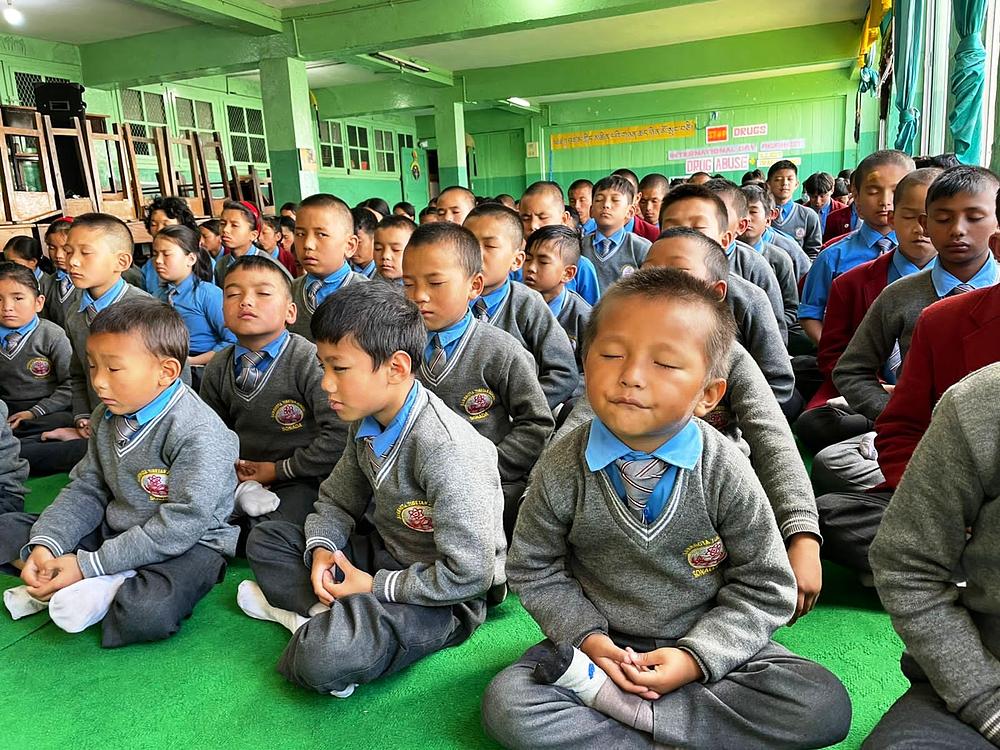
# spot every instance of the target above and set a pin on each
(749, 131)
(659, 131)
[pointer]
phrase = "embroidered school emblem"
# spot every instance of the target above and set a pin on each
(417, 515)
(477, 403)
(39, 367)
(705, 556)
(154, 482)
(800, 233)
(627, 271)
(288, 414)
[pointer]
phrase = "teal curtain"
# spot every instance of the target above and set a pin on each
(908, 17)
(968, 80)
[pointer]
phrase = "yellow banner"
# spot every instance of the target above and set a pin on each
(659, 131)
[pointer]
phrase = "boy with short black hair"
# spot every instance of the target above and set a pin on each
(763, 239)
(368, 604)
(794, 219)
(139, 535)
(454, 204)
(516, 309)
(819, 189)
(550, 262)
(479, 370)
(614, 251)
(35, 359)
(653, 188)
(363, 260)
(324, 244)
(391, 236)
(267, 389)
(640, 616)
(581, 196)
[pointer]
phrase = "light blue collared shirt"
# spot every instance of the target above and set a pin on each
(585, 282)
(682, 451)
(383, 439)
(367, 270)
(616, 239)
(271, 351)
(24, 330)
(902, 266)
(494, 298)
(331, 283)
(200, 304)
(150, 278)
(105, 299)
(449, 337)
(557, 303)
(590, 225)
(945, 283)
(154, 408)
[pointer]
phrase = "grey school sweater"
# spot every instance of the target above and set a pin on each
(526, 316)
(305, 310)
(287, 419)
(489, 380)
(573, 318)
(13, 468)
(750, 416)
(56, 304)
(711, 571)
(802, 226)
(169, 489)
(758, 332)
(437, 504)
(624, 260)
(950, 486)
(794, 250)
(891, 318)
(788, 282)
(750, 265)
(35, 376)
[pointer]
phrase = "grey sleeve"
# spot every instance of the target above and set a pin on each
(319, 457)
(768, 351)
(856, 374)
(919, 544)
(13, 468)
(60, 355)
(211, 385)
(784, 273)
(463, 492)
(813, 240)
(537, 565)
(552, 350)
(202, 481)
(764, 278)
(758, 592)
(532, 423)
(772, 449)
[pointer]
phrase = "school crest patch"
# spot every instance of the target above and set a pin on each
(477, 403)
(155, 483)
(417, 515)
(705, 556)
(39, 367)
(800, 233)
(288, 414)
(627, 271)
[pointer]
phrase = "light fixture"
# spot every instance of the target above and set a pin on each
(399, 62)
(518, 101)
(12, 15)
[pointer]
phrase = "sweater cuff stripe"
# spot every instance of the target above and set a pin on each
(37, 410)
(805, 525)
(46, 541)
(991, 727)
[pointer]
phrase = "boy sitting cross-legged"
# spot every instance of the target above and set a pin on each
(139, 534)
(364, 606)
(648, 554)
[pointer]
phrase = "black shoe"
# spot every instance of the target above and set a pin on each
(552, 664)
(496, 594)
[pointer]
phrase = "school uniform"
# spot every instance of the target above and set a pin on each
(152, 495)
(281, 414)
(699, 566)
(59, 292)
(801, 224)
(34, 376)
(572, 313)
(616, 256)
(488, 378)
(757, 330)
(523, 313)
(585, 283)
(788, 283)
(642, 228)
(309, 292)
(367, 270)
(432, 492)
(13, 469)
(944, 517)
(800, 260)
(824, 213)
(151, 280)
(859, 247)
(224, 262)
(840, 222)
(746, 263)
(199, 303)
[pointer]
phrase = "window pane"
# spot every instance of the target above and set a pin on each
(25, 83)
(185, 113)
(237, 120)
(338, 158)
(363, 137)
(324, 132)
(206, 117)
(258, 149)
(139, 131)
(352, 135)
(380, 161)
(132, 104)
(390, 162)
(326, 155)
(154, 108)
(255, 122)
(241, 148)
(336, 135)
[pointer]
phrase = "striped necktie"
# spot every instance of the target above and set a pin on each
(604, 248)
(480, 310)
(12, 340)
(125, 429)
(885, 245)
(171, 295)
(250, 374)
(438, 357)
(65, 287)
(960, 289)
(374, 460)
(895, 360)
(312, 293)
(640, 477)
(91, 312)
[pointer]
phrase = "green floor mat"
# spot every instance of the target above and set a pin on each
(214, 683)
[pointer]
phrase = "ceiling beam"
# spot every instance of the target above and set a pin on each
(246, 16)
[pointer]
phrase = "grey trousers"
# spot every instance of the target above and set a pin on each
(360, 638)
(841, 468)
(149, 606)
(849, 522)
(775, 700)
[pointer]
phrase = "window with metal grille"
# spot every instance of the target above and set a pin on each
(142, 111)
(385, 151)
(331, 144)
(246, 134)
(357, 147)
(24, 83)
(194, 115)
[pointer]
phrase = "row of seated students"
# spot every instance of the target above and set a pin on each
(419, 392)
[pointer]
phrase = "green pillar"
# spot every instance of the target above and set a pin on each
(449, 128)
(288, 123)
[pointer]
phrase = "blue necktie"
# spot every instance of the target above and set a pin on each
(12, 340)
(640, 477)
(125, 429)
(249, 375)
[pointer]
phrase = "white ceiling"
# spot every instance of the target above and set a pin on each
(651, 29)
(85, 21)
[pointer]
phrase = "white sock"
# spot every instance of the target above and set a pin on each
(21, 604)
(253, 603)
(253, 499)
(583, 677)
(85, 603)
(346, 692)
